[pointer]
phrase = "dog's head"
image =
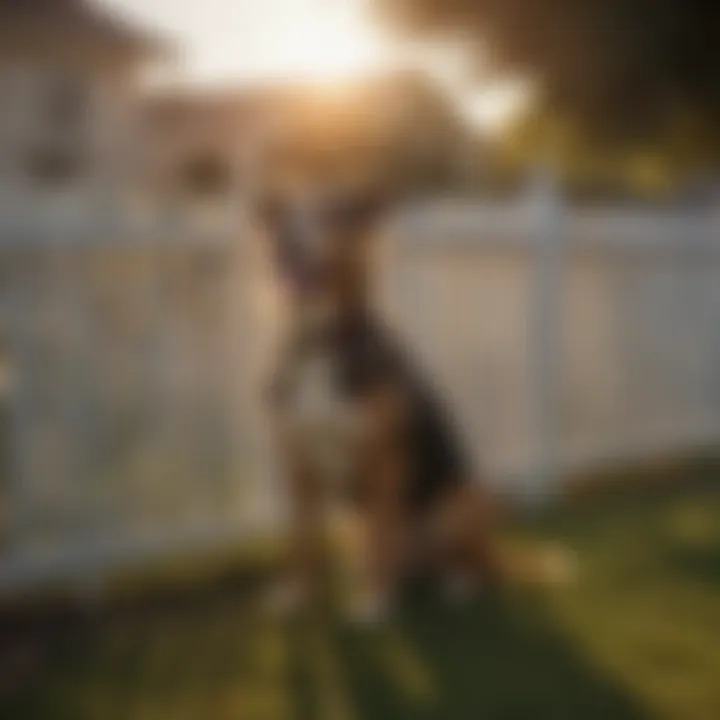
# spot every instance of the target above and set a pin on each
(320, 239)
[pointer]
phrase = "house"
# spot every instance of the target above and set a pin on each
(68, 82)
(201, 147)
(79, 136)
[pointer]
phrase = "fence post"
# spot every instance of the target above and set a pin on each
(544, 334)
(18, 291)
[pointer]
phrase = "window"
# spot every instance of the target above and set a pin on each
(65, 105)
(53, 165)
(206, 175)
(56, 150)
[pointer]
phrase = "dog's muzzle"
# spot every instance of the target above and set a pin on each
(299, 256)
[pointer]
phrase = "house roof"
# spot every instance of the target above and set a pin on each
(82, 20)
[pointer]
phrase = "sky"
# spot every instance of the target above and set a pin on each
(252, 41)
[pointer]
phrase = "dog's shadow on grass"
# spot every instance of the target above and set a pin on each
(492, 659)
(218, 654)
(701, 562)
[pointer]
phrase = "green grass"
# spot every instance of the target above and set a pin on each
(637, 635)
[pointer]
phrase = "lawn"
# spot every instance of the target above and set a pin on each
(636, 635)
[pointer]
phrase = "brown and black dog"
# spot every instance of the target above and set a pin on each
(355, 419)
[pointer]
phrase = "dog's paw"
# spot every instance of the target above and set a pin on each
(287, 598)
(368, 609)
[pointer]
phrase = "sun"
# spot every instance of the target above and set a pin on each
(319, 40)
(324, 42)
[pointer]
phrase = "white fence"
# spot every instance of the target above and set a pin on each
(562, 338)
(567, 339)
(133, 369)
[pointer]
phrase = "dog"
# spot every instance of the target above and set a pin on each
(356, 422)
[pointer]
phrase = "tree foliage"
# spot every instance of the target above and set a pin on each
(616, 69)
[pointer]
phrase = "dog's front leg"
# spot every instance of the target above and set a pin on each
(304, 495)
(306, 527)
(384, 478)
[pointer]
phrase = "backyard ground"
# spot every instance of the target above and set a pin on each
(636, 635)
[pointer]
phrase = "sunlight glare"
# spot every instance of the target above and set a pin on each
(493, 107)
(251, 42)
(315, 40)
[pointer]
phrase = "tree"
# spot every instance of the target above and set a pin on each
(624, 71)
